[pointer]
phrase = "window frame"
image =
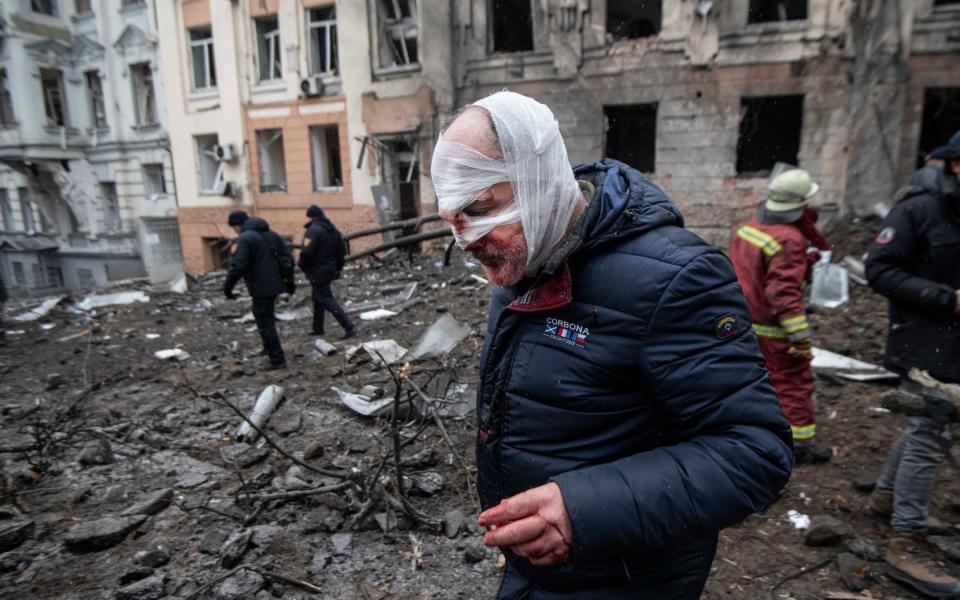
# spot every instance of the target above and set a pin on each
(152, 171)
(270, 43)
(393, 32)
(263, 152)
(54, 10)
(327, 28)
(48, 101)
(96, 99)
(6, 211)
(112, 215)
(26, 211)
(142, 74)
(209, 59)
(8, 117)
(327, 161)
(208, 152)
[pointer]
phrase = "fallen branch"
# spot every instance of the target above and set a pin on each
(802, 571)
(296, 493)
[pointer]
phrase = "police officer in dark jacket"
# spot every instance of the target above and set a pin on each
(624, 412)
(262, 259)
(915, 263)
(321, 259)
(3, 299)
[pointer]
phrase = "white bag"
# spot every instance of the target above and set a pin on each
(830, 287)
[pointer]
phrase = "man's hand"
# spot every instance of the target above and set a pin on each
(230, 294)
(533, 524)
(801, 349)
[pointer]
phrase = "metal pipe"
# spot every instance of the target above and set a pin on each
(410, 239)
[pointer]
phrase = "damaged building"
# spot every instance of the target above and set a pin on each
(286, 103)
(705, 97)
(86, 185)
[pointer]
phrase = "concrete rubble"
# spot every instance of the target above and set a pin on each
(134, 477)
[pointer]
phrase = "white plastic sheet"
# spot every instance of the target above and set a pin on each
(534, 162)
(440, 338)
(101, 300)
(830, 287)
(38, 312)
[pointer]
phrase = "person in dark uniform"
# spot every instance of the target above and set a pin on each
(915, 263)
(3, 300)
(321, 260)
(262, 259)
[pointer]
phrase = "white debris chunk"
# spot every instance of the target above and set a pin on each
(445, 333)
(38, 312)
(101, 300)
(374, 315)
(800, 521)
(173, 353)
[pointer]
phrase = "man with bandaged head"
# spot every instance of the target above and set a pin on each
(624, 414)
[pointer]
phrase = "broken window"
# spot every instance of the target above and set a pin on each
(51, 81)
(941, 118)
(770, 128)
(7, 211)
(628, 19)
(267, 31)
(153, 184)
(400, 171)
(37, 272)
(82, 7)
(209, 166)
(54, 277)
(45, 225)
(6, 101)
(111, 207)
(201, 59)
(143, 94)
(26, 211)
(44, 7)
(273, 174)
(322, 29)
(98, 112)
(164, 236)
(325, 157)
(85, 278)
(512, 25)
(398, 33)
(631, 135)
(18, 274)
(766, 11)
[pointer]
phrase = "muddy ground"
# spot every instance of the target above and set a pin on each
(94, 426)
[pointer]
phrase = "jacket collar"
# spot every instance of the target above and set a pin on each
(556, 292)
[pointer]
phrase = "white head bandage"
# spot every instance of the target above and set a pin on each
(534, 162)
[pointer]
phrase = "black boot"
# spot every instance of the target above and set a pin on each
(809, 454)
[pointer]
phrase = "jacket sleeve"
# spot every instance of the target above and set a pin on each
(239, 263)
(896, 246)
(783, 288)
(727, 453)
(309, 249)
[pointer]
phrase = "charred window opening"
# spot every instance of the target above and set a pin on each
(325, 157)
(768, 11)
(398, 42)
(273, 172)
(512, 25)
(398, 194)
(631, 135)
(770, 128)
(941, 119)
(629, 19)
(44, 7)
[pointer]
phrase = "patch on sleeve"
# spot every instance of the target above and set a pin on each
(726, 326)
(886, 236)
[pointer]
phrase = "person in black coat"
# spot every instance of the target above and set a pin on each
(262, 259)
(321, 260)
(915, 262)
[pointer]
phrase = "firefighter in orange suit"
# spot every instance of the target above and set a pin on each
(773, 264)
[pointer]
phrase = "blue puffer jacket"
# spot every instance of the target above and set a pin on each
(628, 374)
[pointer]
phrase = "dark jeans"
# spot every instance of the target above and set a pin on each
(265, 315)
(912, 468)
(324, 301)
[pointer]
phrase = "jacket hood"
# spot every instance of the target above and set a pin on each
(929, 179)
(625, 204)
(255, 224)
